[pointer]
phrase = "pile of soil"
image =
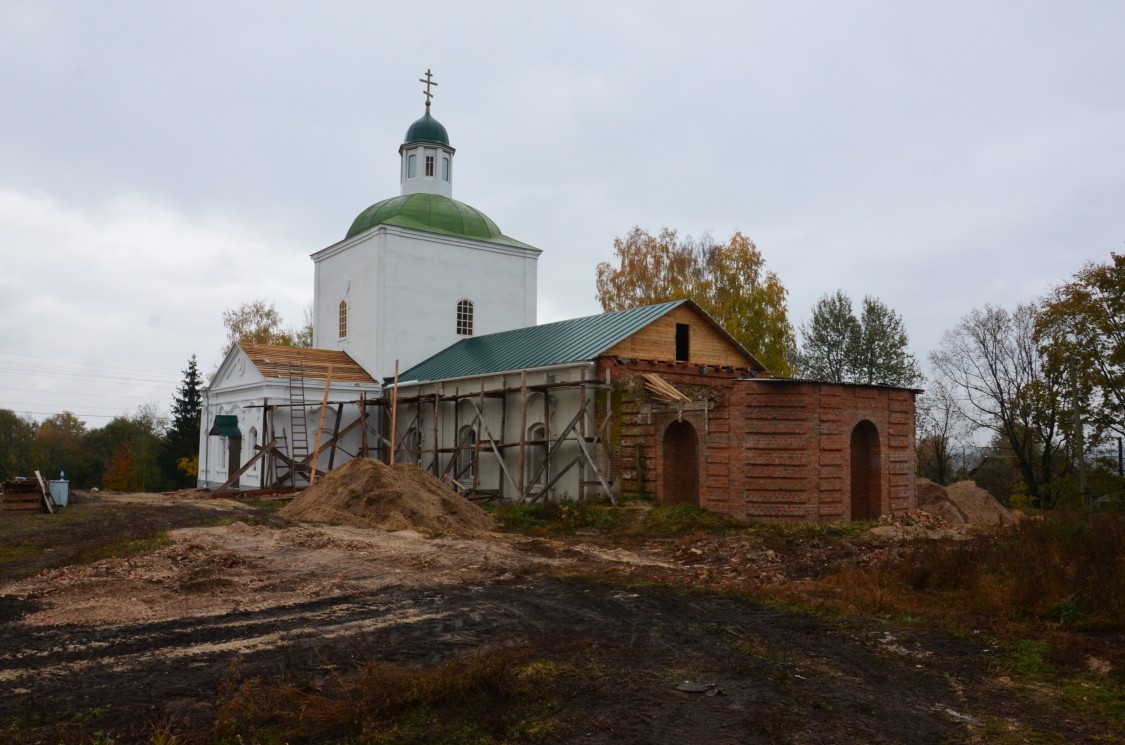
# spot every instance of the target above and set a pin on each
(981, 507)
(367, 493)
(934, 499)
(962, 504)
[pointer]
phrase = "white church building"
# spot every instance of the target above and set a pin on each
(414, 274)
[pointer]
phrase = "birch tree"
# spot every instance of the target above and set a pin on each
(728, 280)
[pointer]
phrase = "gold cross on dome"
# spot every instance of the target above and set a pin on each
(428, 80)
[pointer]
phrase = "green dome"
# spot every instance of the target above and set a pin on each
(427, 129)
(432, 213)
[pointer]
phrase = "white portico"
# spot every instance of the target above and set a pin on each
(420, 271)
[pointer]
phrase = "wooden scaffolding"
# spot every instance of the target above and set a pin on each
(474, 441)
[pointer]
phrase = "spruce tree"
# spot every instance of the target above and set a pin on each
(182, 440)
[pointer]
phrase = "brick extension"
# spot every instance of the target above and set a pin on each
(766, 448)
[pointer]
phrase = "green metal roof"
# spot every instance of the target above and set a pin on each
(576, 340)
(432, 213)
(427, 129)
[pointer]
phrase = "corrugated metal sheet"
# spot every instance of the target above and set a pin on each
(563, 342)
(274, 361)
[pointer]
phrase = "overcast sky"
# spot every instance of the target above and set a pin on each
(161, 162)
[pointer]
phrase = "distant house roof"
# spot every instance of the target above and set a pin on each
(277, 361)
(559, 343)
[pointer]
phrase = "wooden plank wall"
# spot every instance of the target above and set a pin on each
(657, 342)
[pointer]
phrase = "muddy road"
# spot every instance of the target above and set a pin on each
(114, 650)
(779, 676)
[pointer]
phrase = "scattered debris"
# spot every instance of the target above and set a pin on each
(917, 524)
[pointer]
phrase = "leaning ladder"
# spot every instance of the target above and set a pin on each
(299, 447)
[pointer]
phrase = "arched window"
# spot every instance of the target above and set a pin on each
(466, 455)
(411, 166)
(445, 169)
(410, 450)
(343, 318)
(465, 318)
(429, 165)
(253, 441)
(536, 453)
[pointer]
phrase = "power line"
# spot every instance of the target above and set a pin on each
(130, 368)
(48, 372)
(74, 393)
(10, 405)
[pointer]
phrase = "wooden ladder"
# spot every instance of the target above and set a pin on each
(299, 445)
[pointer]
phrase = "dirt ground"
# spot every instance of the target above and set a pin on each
(111, 648)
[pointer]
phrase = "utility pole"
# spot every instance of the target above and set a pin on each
(1078, 439)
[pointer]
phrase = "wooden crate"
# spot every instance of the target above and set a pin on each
(20, 497)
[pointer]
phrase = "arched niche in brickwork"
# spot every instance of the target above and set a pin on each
(680, 478)
(866, 473)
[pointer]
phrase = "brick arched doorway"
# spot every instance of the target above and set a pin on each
(681, 465)
(867, 482)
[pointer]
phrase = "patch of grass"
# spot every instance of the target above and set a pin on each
(121, 549)
(685, 518)
(17, 553)
(90, 530)
(1098, 694)
(557, 517)
(1028, 657)
(807, 530)
(494, 697)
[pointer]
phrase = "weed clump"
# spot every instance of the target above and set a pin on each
(1065, 569)
(556, 517)
(685, 518)
(493, 696)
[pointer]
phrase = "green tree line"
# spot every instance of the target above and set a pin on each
(1031, 397)
(1045, 381)
(142, 451)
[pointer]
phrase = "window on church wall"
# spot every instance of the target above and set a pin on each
(429, 165)
(465, 318)
(445, 169)
(411, 166)
(343, 319)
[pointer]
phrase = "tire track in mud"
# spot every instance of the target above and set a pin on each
(777, 671)
(64, 650)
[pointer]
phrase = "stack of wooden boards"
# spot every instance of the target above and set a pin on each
(20, 496)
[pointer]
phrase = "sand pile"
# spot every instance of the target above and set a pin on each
(980, 506)
(366, 493)
(934, 499)
(963, 503)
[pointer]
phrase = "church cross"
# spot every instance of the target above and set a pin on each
(428, 80)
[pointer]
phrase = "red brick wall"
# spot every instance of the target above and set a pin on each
(795, 443)
(768, 449)
(639, 423)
